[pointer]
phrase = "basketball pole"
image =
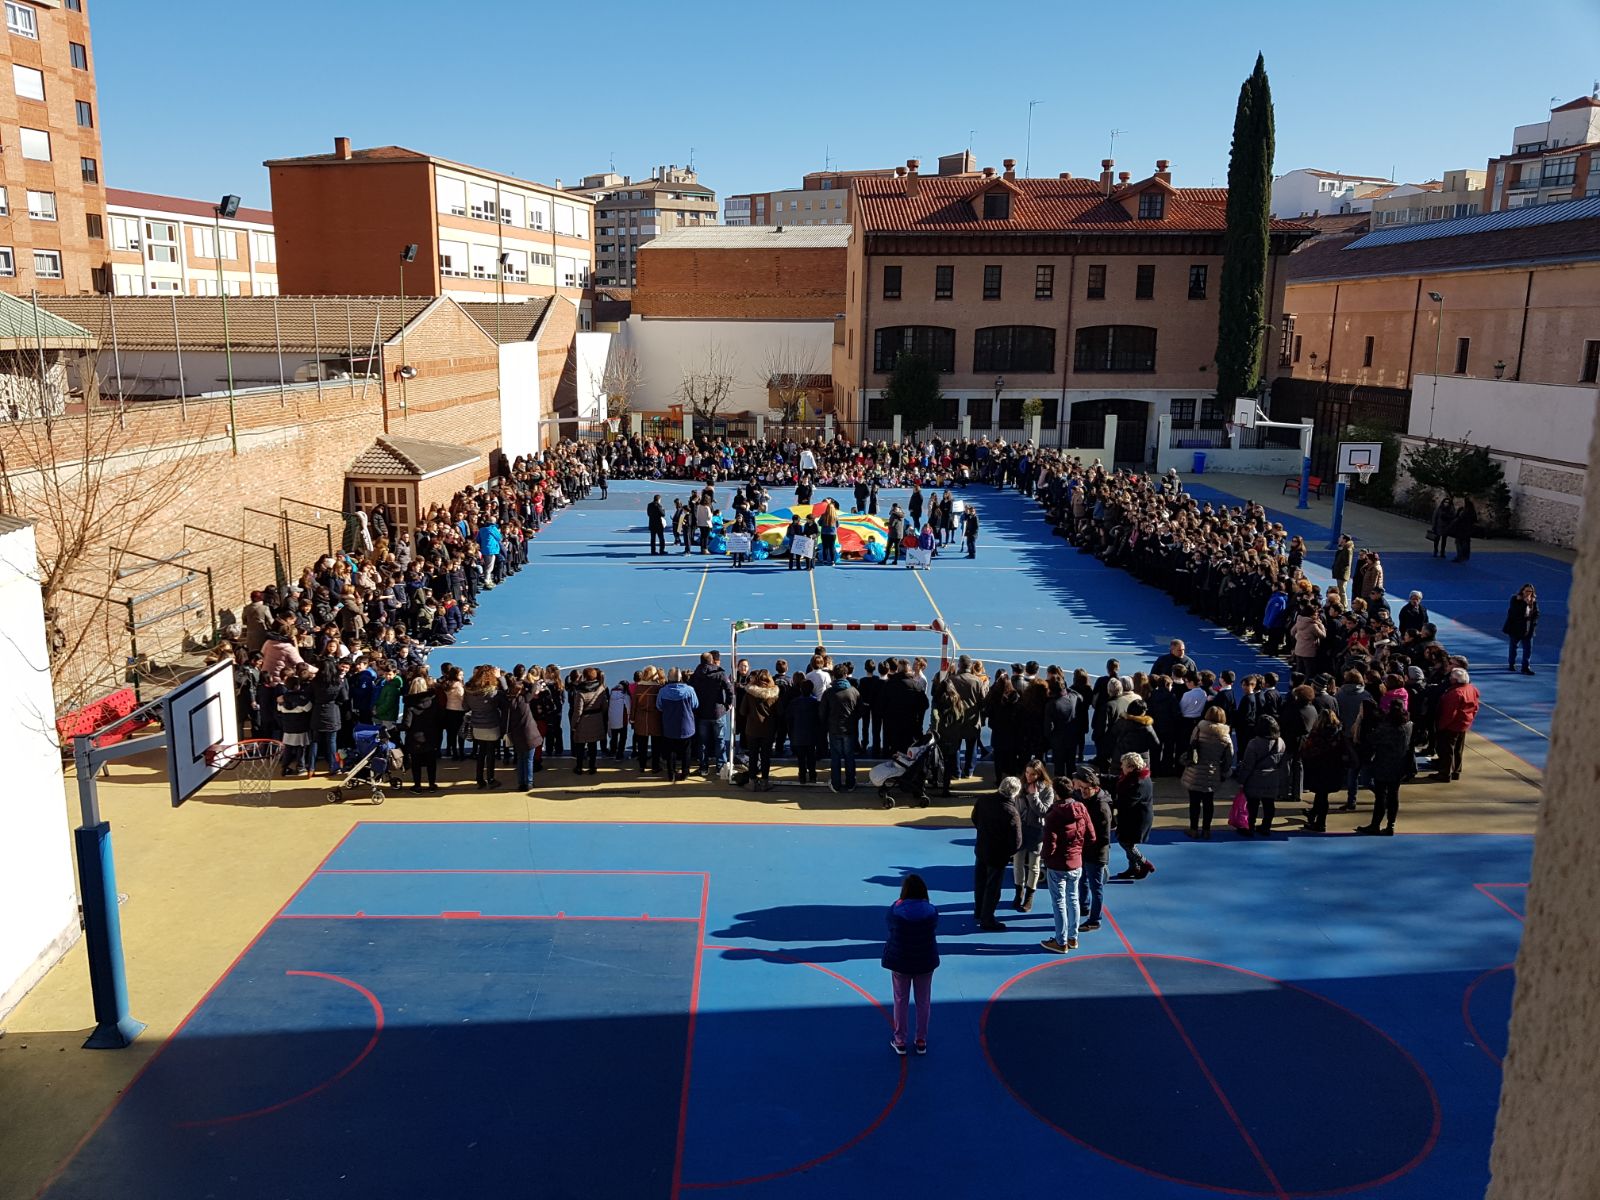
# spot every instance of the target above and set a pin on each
(1340, 484)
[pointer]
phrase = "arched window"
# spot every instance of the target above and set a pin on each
(1115, 348)
(934, 342)
(1015, 348)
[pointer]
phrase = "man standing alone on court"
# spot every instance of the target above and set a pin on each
(969, 527)
(656, 514)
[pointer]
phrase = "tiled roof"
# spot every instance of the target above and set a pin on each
(1354, 256)
(1331, 223)
(1321, 174)
(305, 323)
(371, 154)
(122, 198)
(1580, 102)
(942, 205)
(749, 237)
(392, 154)
(515, 322)
(409, 458)
(22, 325)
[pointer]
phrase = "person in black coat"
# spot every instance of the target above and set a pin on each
(1522, 619)
(1462, 528)
(656, 514)
(330, 695)
(911, 955)
(423, 721)
(904, 705)
(1061, 726)
(1134, 802)
(868, 711)
(998, 822)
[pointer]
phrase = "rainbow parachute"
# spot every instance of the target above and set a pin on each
(857, 531)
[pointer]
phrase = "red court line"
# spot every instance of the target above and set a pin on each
(475, 916)
(377, 1032)
(161, 1049)
(688, 1042)
(859, 1137)
(491, 871)
(1483, 890)
(1466, 1010)
(1194, 1053)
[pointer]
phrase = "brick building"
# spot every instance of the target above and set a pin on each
(1096, 297)
(52, 198)
(169, 245)
(631, 213)
(734, 273)
(1550, 161)
(342, 220)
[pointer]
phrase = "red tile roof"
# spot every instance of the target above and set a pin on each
(1580, 102)
(177, 204)
(943, 205)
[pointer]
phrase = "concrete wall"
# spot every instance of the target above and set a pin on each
(1521, 419)
(37, 891)
(521, 405)
(589, 353)
(668, 348)
(1546, 497)
(1224, 460)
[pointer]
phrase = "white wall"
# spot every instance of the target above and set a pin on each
(1516, 419)
(521, 406)
(38, 896)
(589, 352)
(668, 348)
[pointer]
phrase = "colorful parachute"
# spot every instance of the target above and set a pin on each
(857, 531)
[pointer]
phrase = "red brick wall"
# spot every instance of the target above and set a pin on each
(455, 396)
(777, 284)
(341, 229)
(558, 381)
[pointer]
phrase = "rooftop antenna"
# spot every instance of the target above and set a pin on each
(827, 157)
(613, 162)
(691, 158)
(1111, 152)
(1027, 157)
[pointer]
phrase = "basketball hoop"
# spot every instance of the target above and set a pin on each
(1364, 474)
(613, 423)
(252, 762)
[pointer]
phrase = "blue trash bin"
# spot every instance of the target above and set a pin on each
(1199, 462)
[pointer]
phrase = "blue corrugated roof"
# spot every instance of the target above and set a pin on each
(1509, 218)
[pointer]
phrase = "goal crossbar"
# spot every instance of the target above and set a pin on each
(935, 626)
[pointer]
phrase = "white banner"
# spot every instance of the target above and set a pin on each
(738, 543)
(803, 547)
(920, 558)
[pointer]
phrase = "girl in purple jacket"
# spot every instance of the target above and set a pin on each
(911, 955)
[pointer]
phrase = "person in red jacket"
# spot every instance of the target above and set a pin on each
(1458, 708)
(1067, 828)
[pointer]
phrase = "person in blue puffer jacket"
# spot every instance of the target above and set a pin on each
(677, 702)
(911, 955)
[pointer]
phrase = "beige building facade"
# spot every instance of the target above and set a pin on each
(1458, 194)
(629, 213)
(169, 245)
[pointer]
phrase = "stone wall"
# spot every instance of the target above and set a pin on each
(1547, 498)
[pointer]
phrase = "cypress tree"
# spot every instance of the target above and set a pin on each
(913, 393)
(1241, 318)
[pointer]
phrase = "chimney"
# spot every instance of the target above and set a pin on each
(1122, 178)
(341, 148)
(988, 172)
(913, 180)
(1105, 174)
(1011, 168)
(1066, 175)
(1164, 170)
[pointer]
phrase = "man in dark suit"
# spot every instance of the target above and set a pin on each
(656, 514)
(969, 527)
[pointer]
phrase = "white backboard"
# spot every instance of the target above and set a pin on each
(1355, 457)
(1244, 413)
(197, 714)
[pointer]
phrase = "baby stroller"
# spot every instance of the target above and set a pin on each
(367, 764)
(911, 772)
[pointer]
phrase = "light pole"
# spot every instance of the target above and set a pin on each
(994, 415)
(227, 207)
(408, 254)
(1438, 340)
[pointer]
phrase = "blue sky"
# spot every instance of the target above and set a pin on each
(561, 89)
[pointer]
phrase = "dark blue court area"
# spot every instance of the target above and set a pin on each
(593, 596)
(566, 1010)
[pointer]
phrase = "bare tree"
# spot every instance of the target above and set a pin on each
(787, 373)
(622, 380)
(707, 383)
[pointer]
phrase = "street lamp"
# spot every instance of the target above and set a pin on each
(1438, 339)
(999, 386)
(228, 207)
(408, 254)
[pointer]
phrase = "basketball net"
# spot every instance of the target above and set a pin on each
(251, 762)
(1364, 474)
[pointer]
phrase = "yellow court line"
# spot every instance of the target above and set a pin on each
(917, 575)
(689, 627)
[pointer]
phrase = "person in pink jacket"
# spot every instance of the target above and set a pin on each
(1458, 709)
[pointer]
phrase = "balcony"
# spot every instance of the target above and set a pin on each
(1528, 183)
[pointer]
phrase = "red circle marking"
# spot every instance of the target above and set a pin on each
(861, 1135)
(1433, 1097)
(1466, 1010)
(377, 1032)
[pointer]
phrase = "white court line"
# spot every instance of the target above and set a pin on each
(1484, 703)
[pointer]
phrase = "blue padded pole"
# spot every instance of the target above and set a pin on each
(102, 934)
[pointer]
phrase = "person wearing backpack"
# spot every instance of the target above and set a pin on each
(1068, 828)
(1263, 776)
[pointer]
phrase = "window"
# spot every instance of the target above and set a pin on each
(1144, 287)
(1591, 363)
(981, 412)
(1115, 348)
(95, 225)
(1559, 172)
(944, 283)
(161, 241)
(264, 247)
(5, 203)
(228, 245)
(1197, 281)
(452, 195)
(1297, 347)
(1011, 412)
(1212, 413)
(21, 20)
(47, 264)
(75, 5)
(933, 342)
(205, 245)
(1366, 352)
(85, 114)
(997, 206)
(1463, 347)
(1044, 282)
(90, 170)
(8, 261)
(42, 206)
(163, 286)
(891, 283)
(1097, 282)
(453, 259)
(80, 55)
(124, 233)
(1183, 414)
(991, 283)
(1019, 349)
(482, 204)
(1152, 206)
(35, 144)
(28, 82)
(1047, 418)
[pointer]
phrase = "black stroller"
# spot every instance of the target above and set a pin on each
(910, 772)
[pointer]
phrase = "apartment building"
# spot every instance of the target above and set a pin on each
(1096, 297)
(52, 198)
(343, 220)
(629, 213)
(168, 245)
(1313, 192)
(823, 197)
(1551, 160)
(1458, 194)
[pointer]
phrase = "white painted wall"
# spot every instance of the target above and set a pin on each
(590, 350)
(667, 348)
(1536, 420)
(521, 406)
(38, 895)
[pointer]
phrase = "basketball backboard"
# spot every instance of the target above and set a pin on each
(197, 714)
(1357, 458)
(1244, 413)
